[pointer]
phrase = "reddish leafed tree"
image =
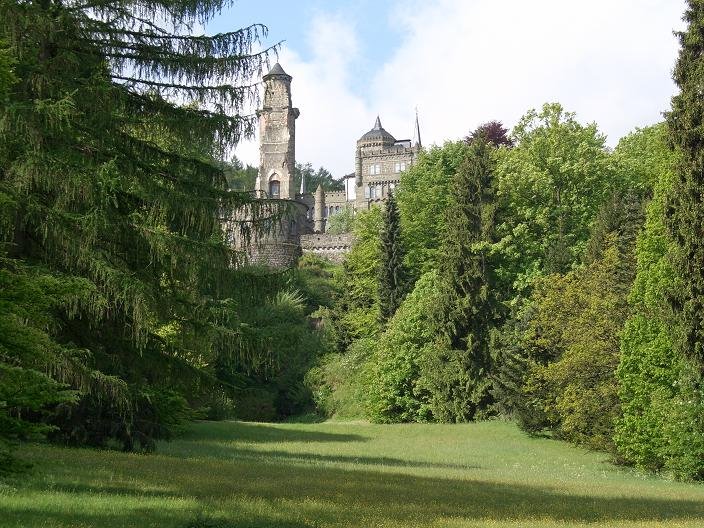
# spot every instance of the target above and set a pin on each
(494, 132)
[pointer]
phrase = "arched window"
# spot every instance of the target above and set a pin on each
(274, 188)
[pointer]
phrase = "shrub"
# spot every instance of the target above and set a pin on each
(392, 376)
(336, 382)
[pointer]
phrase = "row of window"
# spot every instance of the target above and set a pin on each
(375, 192)
(331, 210)
(375, 168)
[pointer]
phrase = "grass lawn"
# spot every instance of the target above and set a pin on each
(232, 474)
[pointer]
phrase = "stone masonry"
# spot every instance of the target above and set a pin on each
(277, 137)
(379, 161)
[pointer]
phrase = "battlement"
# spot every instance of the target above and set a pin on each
(327, 246)
(335, 196)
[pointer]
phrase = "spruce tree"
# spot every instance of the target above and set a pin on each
(111, 203)
(393, 278)
(685, 214)
(467, 308)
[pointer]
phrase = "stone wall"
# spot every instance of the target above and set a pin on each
(275, 255)
(278, 246)
(329, 247)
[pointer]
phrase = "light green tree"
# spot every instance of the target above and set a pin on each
(341, 222)
(422, 200)
(391, 382)
(551, 185)
(356, 313)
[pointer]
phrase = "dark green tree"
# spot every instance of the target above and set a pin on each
(467, 308)
(240, 177)
(393, 277)
(313, 177)
(685, 213)
(660, 373)
(111, 208)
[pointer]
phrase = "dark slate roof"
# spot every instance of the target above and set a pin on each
(378, 133)
(276, 70)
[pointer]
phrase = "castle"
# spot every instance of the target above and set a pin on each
(379, 161)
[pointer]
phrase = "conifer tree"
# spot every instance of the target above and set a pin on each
(686, 211)
(393, 278)
(112, 204)
(467, 307)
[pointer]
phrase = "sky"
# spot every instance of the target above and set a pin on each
(461, 63)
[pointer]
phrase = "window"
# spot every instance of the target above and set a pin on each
(378, 191)
(367, 192)
(400, 166)
(374, 169)
(274, 188)
(392, 186)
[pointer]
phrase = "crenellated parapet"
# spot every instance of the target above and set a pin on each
(327, 246)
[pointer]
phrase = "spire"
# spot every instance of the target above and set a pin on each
(377, 124)
(277, 71)
(416, 133)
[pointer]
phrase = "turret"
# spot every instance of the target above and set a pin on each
(277, 136)
(319, 210)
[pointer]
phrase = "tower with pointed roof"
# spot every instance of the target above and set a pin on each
(277, 137)
(380, 159)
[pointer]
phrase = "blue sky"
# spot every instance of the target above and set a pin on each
(462, 63)
(290, 21)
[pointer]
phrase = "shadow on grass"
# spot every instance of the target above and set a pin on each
(338, 497)
(262, 433)
(232, 453)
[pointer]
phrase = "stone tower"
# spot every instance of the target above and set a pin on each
(277, 133)
(379, 161)
(319, 210)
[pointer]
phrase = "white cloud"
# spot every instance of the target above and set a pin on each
(464, 62)
(331, 115)
(467, 62)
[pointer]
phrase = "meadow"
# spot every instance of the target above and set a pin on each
(236, 474)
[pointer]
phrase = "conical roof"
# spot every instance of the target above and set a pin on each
(276, 70)
(377, 134)
(416, 133)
